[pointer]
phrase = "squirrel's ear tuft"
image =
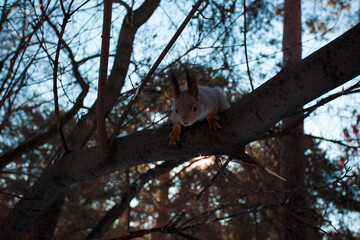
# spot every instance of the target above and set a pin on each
(175, 83)
(192, 85)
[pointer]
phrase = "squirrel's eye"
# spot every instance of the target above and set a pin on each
(176, 110)
(195, 108)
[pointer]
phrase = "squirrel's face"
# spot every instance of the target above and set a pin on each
(187, 108)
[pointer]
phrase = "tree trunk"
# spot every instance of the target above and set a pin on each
(292, 165)
(163, 206)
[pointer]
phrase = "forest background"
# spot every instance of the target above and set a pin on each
(87, 157)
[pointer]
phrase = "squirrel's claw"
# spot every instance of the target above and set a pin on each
(174, 137)
(213, 121)
(175, 133)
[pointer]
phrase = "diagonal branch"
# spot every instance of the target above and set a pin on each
(245, 47)
(104, 58)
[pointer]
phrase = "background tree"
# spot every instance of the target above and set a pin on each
(292, 165)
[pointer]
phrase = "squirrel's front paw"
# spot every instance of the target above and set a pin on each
(213, 121)
(174, 136)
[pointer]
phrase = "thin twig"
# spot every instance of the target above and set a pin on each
(55, 74)
(353, 89)
(180, 216)
(128, 8)
(234, 181)
(230, 216)
(164, 229)
(339, 142)
(245, 46)
(16, 196)
(304, 113)
(171, 226)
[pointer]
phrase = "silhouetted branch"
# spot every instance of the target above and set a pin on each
(128, 8)
(245, 46)
(55, 72)
(350, 90)
(100, 104)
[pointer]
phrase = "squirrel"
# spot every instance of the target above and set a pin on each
(195, 103)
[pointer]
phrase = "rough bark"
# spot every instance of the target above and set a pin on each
(247, 120)
(292, 164)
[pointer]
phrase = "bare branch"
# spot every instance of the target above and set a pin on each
(128, 8)
(100, 106)
(245, 46)
(353, 89)
(55, 73)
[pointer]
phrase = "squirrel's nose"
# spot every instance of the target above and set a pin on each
(185, 122)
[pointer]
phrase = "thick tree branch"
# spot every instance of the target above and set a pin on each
(87, 125)
(246, 121)
(124, 49)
